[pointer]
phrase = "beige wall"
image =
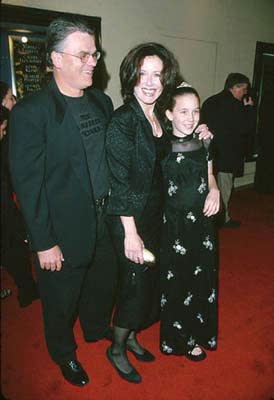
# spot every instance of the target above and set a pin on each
(209, 37)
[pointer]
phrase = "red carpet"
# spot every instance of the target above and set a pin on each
(241, 369)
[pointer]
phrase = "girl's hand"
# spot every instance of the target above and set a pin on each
(204, 132)
(212, 203)
(134, 248)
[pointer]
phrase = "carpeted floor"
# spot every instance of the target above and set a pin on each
(241, 369)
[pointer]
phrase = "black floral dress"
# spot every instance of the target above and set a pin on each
(188, 262)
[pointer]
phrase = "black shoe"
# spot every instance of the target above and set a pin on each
(232, 223)
(193, 357)
(74, 373)
(146, 357)
(108, 335)
(132, 377)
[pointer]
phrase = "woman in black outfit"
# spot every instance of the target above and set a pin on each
(136, 144)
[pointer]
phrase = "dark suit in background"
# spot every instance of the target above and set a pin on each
(63, 194)
(15, 254)
(231, 122)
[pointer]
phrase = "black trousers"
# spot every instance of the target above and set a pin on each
(87, 292)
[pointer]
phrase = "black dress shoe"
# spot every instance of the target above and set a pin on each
(108, 335)
(74, 373)
(132, 377)
(146, 357)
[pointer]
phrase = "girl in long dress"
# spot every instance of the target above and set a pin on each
(188, 262)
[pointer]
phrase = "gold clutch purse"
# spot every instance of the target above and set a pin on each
(149, 258)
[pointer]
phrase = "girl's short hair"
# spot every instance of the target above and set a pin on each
(131, 65)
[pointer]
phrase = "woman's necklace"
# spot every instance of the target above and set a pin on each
(156, 127)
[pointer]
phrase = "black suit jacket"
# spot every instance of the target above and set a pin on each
(231, 122)
(50, 173)
(131, 156)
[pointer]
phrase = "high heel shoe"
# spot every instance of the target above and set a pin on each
(132, 377)
(146, 357)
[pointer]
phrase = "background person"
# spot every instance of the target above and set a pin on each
(15, 254)
(231, 117)
(6, 97)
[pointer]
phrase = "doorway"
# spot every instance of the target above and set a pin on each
(263, 83)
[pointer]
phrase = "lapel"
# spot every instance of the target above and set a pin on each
(144, 136)
(67, 124)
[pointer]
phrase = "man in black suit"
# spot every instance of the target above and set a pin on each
(60, 176)
(230, 116)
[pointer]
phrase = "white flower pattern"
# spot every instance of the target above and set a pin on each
(163, 300)
(191, 342)
(177, 325)
(179, 248)
(212, 342)
(208, 243)
(172, 189)
(197, 270)
(202, 186)
(179, 158)
(212, 297)
(187, 300)
(191, 216)
(200, 318)
(166, 349)
(169, 275)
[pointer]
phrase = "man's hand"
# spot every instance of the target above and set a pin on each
(204, 132)
(51, 259)
(248, 102)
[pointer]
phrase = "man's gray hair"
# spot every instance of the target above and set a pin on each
(58, 31)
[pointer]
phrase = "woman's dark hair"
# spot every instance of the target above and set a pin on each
(4, 88)
(4, 114)
(234, 78)
(131, 65)
(180, 91)
(58, 31)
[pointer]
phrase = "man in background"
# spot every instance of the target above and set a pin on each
(60, 176)
(230, 117)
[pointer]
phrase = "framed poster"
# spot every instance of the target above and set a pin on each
(23, 64)
(28, 63)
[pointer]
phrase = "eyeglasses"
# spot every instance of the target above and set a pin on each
(84, 56)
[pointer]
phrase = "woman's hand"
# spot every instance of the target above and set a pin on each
(134, 248)
(133, 244)
(212, 203)
(204, 132)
